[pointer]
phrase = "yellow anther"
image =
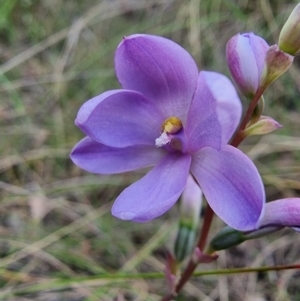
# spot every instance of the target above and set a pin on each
(172, 125)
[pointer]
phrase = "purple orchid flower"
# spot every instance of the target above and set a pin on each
(171, 117)
(245, 54)
(282, 213)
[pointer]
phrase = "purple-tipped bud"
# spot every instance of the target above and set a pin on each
(191, 202)
(190, 206)
(277, 62)
(278, 214)
(289, 38)
(264, 125)
(245, 54)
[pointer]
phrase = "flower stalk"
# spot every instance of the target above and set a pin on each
(239, 136)
(208, 217)
(209, 214)
(277, 61)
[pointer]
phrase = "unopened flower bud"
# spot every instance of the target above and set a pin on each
(276, 63)
(245, 54)
(226, 238)
(191, 202)
(289, 38)
(264, 125)
(190, 206)
(184, 244)
(277, 215)
(229, 237)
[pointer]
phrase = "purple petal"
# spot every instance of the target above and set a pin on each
(203, 127)
(101, 159)
(259, 47)
(232, 186)
(156, 192)
(229, 107)
(284, 212)
(120, 118)
(245, 55)
(160, 69)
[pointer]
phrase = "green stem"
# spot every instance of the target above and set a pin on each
(239, 137)
(201, 244)
(41, 284)
(237, 271)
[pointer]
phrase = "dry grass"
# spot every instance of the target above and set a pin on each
(58, 240)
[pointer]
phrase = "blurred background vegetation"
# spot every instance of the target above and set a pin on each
(58, 240)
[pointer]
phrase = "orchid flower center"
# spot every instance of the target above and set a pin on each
(171, 134)
(171, 125)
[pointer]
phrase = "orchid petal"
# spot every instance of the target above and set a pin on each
(160, 69)
(101, 159)
(283, 212)
(229, 106)
(156, 192)
(232, 186)
(120, 118)
(259, 47)
(203, 127)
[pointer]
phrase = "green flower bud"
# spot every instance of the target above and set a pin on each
(289, 38)
(229, 237)
(226, 238)
(184, 244)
